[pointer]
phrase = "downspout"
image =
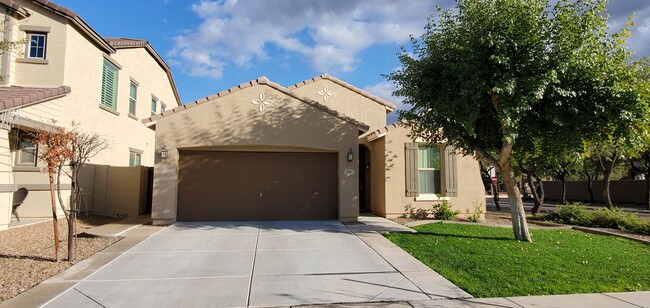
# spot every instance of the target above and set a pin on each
(8, 25)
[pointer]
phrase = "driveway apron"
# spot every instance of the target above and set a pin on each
(245, 264)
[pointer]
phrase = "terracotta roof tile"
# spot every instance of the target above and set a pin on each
(344, 84)
(265, 81)
(123, 42)
(14, 96)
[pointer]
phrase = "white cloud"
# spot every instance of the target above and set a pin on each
(385, 90)
(328, 35)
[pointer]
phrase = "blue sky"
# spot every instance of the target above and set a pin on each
(214, 45)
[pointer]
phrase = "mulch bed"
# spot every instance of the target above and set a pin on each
(27, 253)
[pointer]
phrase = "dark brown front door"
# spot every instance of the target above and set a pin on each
(257, 186)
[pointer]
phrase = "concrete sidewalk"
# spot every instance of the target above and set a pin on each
(421, 287)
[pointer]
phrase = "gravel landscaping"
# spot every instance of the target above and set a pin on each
(27, 253)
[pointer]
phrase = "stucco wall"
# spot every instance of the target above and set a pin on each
(232, 122)
(346, 101)
(470, 185)
(37, 74)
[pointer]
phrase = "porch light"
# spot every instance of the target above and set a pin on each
(350, 156)
(163, 152)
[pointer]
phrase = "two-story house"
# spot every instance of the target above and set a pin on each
(63, 72)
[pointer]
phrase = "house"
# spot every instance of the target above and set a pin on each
(319, 149)
(66, 72)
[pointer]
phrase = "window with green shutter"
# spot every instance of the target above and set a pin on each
(109, 85)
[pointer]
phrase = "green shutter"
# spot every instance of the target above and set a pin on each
(411, 157)
(109, 85)
(451, 172)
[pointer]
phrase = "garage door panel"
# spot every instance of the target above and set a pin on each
(257, 186)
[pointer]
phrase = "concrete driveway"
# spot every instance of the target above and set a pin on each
(241, 264)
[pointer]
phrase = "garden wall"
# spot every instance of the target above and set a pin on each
(622, 191)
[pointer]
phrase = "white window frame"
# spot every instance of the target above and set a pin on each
(154, 104)
(21, 151)
(30, 42)
(133, 100)
(431, 196)
(163, 107)
(135, 154)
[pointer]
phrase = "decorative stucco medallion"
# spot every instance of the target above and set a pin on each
(325, 93)
(261, 102)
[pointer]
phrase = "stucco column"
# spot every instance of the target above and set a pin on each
(6, 178)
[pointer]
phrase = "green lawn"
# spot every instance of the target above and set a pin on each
(488, 262)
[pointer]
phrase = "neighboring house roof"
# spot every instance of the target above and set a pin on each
(125, 43)
(259, 81)
(344, 84)
(15, 7)
(13, 97)
(78, 22)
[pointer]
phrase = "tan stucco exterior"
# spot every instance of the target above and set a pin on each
(345, 101)
(388, 197)
(74, 57)
(233, 123)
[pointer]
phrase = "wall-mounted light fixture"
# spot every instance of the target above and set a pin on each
(163, 152)
(350, 156)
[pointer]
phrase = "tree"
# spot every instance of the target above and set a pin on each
(55, 152)
(487, 179)
(490, 70)
(83, 146)
(591, 170)
(61, 149)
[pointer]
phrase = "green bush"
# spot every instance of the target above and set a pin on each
(443, 211)
(577, 214)
(573, 214)
(478, 210)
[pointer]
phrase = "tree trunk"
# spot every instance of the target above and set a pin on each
(72, 222)
(537, 204)
(647, 190)
(564, 190)
(540, 192)
(55, 219)
(495, 195)
(607, 167)
(519, 225)
(590, 186)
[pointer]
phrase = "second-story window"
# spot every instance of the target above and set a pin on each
(109, 85)
(154, 103)
(163, 107)
(36, 45)
(133, 97)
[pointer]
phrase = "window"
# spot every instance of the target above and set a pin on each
(133, 97)
(134, 158)
(36, 46)
(109, 85)
(429, 170)
(27, 150)
(154, 102)
(163, 107)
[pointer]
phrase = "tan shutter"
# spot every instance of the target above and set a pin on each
(451, 173)
(412, 182)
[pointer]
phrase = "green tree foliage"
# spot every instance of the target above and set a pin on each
(492, 76)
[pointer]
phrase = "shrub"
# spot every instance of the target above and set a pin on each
(478, 210)
(415, 213)
(443, 211)
(573, 214)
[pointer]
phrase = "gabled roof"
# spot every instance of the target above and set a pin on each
(259, 81)
(78, 22)
(13, 97)
(344, 84)
(127, 43)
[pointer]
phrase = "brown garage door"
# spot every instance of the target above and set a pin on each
(257, 186)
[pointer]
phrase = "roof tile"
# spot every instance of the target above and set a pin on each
(15, 96)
